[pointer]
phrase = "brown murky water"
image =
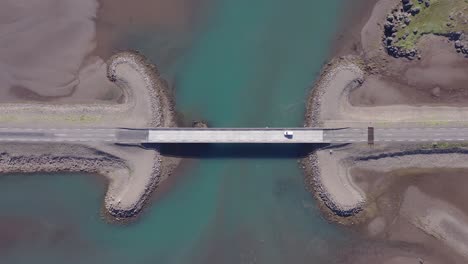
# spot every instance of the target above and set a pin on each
(117, 17)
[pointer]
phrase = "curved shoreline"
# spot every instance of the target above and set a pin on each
(133, 171)
(162, 114)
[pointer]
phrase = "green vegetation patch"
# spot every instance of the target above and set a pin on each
(441, 17)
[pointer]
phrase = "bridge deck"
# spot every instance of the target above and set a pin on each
(235, 136)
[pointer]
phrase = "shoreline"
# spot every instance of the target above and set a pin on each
(133, 172)
(328, 106)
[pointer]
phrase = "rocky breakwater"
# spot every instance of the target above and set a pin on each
(132, 171)
(331, 186)
(146, 166)
(328, 181)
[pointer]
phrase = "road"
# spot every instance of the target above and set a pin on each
(237, 135)
(58, 135)
(414, 134)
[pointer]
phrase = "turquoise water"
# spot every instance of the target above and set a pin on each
(250, 64)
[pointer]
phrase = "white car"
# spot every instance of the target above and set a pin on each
(288, 134)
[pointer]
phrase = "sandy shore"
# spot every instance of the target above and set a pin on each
(133, 172)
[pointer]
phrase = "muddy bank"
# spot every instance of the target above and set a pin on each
(355, 16)
(63, 32)
(438, 79)
(170, 24)
(371, 190)
(418, 206)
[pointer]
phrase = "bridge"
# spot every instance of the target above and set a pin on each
(234, 135)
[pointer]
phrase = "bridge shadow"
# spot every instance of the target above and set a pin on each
(236, 151)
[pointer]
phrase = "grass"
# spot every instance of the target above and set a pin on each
(8, 118)
(433, 123)
(444, 145)
(433, 20)
(78, 118)
(82, 118)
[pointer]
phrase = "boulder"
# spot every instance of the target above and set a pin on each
(389, 41)
(414, 11)
(407, 6)
(389, 27)
(435, 92)
(407, 21)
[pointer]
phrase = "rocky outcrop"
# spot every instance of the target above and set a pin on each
(460, 42)
(199, 124)
(400, 18)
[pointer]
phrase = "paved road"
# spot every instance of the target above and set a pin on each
(58, 135)
(419, 134)
(253, 135)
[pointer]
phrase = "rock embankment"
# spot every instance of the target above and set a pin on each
(133, 71)
(22, 158)
(326, 193)
(328, 186)
(130, 70)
